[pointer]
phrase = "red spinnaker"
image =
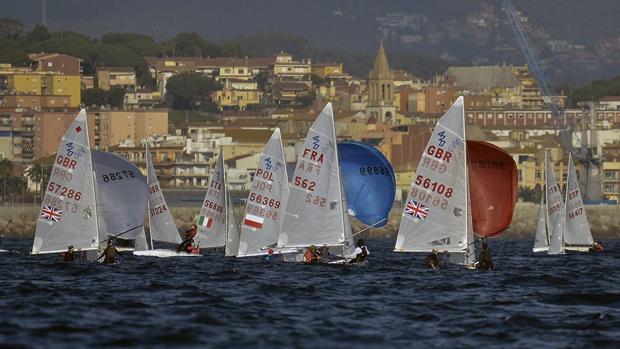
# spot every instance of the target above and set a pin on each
(492, 187)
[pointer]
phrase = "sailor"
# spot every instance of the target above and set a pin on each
(109, 254)
(432, 261)
(597, 247)
(69, 255)
(324, 253)
(269, 257)
(188, 243)
(445, 258)
(361, 252)
(485, 262)
(311, 255)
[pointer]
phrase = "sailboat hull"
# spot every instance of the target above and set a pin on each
(577, 248)
(540, 249)
(161, 253)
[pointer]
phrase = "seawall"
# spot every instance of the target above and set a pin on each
(20, 221)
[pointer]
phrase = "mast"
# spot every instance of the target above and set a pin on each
(470, 253)
(342, 202)
(94, 178)
(148, 212)
(546, 200)
(225, 186)
(570, 159)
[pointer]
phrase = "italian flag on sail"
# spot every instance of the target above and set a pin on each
(253, 221)
(205, 221)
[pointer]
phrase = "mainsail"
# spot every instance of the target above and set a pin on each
(541, 240)
(370, 185)
(121, 196)
(265, 205)
(436, 215)
(232, 232)
(162, 226)
(493, 188)
(556, 210)
(69, 213)
(315, 211)
(212, 219)
(577, 231)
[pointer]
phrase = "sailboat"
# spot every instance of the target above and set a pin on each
(91, 196)
(316, 211)
(577, 234)
(555, 210)
(262, 221)
(452, 196)
(561, 226)
(69, 211)
(161, 224)
(216, 222)
(121, 199)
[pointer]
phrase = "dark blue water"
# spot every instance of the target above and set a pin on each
(570, 301)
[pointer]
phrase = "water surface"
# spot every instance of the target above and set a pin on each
(530, 301)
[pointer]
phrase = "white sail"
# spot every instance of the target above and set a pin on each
(264, 209)
(436, 215)
(556, 210)
(577, 230)
(68, 213)
(140, 242)
(161, 223)
(122, 196)
(315, 209)
(232, 233)
(541, 240)
(212, 219)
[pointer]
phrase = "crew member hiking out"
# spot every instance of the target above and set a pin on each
(485, 261)
(432, 262)
(311, 255)
(187, 245)
(109, 254)
(361, 252)
(69, 256)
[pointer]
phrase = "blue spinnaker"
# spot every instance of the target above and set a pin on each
(369, 182)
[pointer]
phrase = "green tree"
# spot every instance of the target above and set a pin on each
(189, 91)
(11, 29)
(38, 33)
(115, 97)
(317, 80)
(305, 100)
(6, 173)
(528, 194)
(141, 45)
(94, 96)
(262, 80)
(40, 175)
(144, 78)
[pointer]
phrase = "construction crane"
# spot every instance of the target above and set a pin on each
(581, 153)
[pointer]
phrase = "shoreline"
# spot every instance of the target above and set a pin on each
(20, 221)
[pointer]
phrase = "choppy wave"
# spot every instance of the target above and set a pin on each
(529, 301)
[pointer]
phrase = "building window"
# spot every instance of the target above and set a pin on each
(538, 175)
(609, 174)
(609, 188)
(520, 175)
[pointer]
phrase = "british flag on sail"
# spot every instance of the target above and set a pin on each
(51, 213)
(416, 210)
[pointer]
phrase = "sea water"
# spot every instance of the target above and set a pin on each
(529, 301)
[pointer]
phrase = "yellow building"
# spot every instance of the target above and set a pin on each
(237, 94)
(611, 180)
(327, 69)
(24, 83)
(46, 84)
(63, 85)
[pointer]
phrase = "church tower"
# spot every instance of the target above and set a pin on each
(380, 89)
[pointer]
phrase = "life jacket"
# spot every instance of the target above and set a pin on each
(309, 257)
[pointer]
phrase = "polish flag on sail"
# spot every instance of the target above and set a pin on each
(204, 221)
(253, 221)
